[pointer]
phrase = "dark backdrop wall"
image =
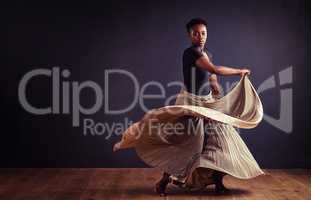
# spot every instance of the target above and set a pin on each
(147, 39)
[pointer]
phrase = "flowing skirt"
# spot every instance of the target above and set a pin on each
(171, 138)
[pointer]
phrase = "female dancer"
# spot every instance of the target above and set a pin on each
(196, 63)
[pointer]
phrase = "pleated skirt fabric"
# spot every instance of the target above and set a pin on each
(197, 136)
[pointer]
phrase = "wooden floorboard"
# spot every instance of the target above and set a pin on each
(133, 183)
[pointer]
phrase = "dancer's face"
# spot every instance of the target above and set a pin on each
(198, 34)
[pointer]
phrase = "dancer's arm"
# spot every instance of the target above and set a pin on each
(206, 64)
(214, 84)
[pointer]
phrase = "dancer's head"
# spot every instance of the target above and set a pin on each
(197, 31)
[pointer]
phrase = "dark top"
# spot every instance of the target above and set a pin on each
(194, 76)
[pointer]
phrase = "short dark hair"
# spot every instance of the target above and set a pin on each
(195, 21)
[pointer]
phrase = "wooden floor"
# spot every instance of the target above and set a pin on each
(99, 183)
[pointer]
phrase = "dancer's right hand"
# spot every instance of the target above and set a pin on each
(116, 147)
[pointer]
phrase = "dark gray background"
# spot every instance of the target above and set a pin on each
(147, 39)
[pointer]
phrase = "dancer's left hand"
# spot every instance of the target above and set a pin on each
(245, 71)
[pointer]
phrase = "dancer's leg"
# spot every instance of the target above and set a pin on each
(161, 185)
(218, 179)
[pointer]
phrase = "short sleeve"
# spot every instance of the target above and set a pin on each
(196, 53)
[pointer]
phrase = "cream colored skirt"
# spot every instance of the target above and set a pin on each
(171, 138)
